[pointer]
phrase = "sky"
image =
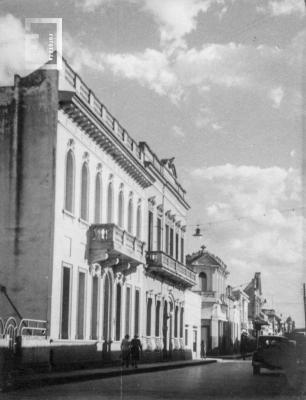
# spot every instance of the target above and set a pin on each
(218, 84)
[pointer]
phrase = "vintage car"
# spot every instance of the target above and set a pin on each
(283, 353)
(273, 352)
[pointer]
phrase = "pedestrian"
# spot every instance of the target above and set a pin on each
(203, 350)
(125, 351)
(243, 344)
(136, 348)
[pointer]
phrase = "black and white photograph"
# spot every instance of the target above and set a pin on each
(152, 199)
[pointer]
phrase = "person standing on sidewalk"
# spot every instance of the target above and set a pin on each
(125, 351)
(136, 348)
(203, 350)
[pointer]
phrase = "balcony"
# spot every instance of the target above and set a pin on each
(168, 267)
(108, 241)
(208, 296)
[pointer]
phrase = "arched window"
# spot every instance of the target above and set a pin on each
(121, 208)
(138, 222)
(181, 322)
(203, 281)
(130, 215)
(107, 301)
(149, 311)
(110, 202)
(84, 192)
(98, 198)
(69, 182)
(118, 312)
(175, 321)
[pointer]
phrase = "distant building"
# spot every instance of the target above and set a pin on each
(275, 326)
(243, 303)
(92, 228)
(220, 309)
(256, 318)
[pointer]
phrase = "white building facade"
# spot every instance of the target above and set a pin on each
(222, 312)
(93, 225)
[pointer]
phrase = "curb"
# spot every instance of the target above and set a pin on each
(82, 376)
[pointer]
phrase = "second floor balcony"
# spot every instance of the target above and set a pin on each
(166, 266)
(109, 241)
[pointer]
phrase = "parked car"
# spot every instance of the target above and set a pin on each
(283, 353)
(273, 352)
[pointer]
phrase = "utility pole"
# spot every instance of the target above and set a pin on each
(304, 295)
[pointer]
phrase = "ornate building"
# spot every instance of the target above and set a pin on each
(223, 310)
(92, 228)
(256, 317)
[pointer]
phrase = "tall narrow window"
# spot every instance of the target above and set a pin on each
(127, 311)
(130, 216)
(65, 303)
(107, 310)
(150, 231)
(175, 321)
(84, 192)
(182, 250)
(181, 322)
(176, 246)
(203, 281)
(81, 306)
(94, 307)
(98, 198)
(110, 202)
(121, 209)
(167, 239)
(136, 316)
(171, 241)
(118, 312)
(157, 319)
(159, 234)
(69, 183)
(149, 311)
(138, 222)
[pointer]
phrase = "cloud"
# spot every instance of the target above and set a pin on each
(283, 7)
(176, 18)
(178, 132)
(206, 119)
(150, 68)
(93, 5)
(13, 50)
(292, 153)
(277, 96)
(254, 222)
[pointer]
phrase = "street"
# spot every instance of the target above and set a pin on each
(222, 380)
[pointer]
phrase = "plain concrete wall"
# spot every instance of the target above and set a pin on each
(27, 149)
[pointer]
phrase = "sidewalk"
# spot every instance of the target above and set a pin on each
(231, 357)
(54, 378)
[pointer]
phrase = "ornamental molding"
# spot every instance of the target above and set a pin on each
(70, 144)
(86, 157)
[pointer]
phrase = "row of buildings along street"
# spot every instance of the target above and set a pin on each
(93, 229)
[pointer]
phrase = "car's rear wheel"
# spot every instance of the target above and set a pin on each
(256, 370)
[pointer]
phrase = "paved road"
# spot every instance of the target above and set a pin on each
(223, 380)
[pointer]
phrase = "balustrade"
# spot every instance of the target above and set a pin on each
(118, 242)
(163, 263)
